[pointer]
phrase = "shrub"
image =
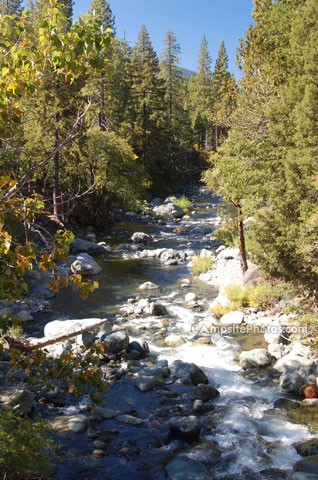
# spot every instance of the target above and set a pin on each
(24, 446)
(183, 203)
(226, 236)
(201, 264)
(219, 310)
(238, 294)
(263, 294)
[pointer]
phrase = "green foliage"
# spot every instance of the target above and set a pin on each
(201, 264)
(219, 310)
(260, 295)
(24, 446)
(183, 203)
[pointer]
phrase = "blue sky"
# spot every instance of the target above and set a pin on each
(189, 19)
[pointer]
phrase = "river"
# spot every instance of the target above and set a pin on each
(251, 434)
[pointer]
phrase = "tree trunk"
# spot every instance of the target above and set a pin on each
(240, 228)
(56, 174)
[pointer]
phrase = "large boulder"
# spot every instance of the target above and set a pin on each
(308, 465)
(206, 392)
(140, 237)
(174, 341)
(290, 382)
(187, 428)
(157, 309)
(17, 398)
(169, 211)
(188, 373)
(257, 358)
(296, 363)
(79, 245)
(251, 275)
(185, 468)
(115, 342)
(305, 448)
(232, 318)
(85, 265)
(172, 257)
(64, 327)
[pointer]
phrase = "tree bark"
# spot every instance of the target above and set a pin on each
(56, 171)
(240, 229)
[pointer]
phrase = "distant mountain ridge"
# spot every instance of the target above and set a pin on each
(186, 73)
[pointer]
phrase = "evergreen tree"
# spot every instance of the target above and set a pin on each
(101, 10)
(147, 106)
(169, 71)
(8, 7)
(221, 87)
(200, 94)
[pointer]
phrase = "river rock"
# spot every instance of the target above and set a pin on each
(276, 333)
(185, 468)
(57, 350)
(206, 253)
(169, 211)
(157, 309)
(148, 286)
(295, 363)
(307, 464)
(302, 476)
(130, 420)
(140, 237)
(286, 404)
(188, 373)
(174, 341)
(146, 383)
(172, 256)
(99, 445)
(307, 448)
(187, 428)
(206, 392)
(115, 342)
(276, 350)
(232, 318)
(24, 316)
(78, 423)
(106, 413)
(85, 265)
(135, 347)
(257, 358)
(290, 382)
(79, 245)
(155, 202)
(203, 341)
(190, 297)
(19, 399)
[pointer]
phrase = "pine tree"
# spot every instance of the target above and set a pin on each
(169, 71)
(147, 105)
(101, 10)
(221, 86)
(8, 7)
(200, 94)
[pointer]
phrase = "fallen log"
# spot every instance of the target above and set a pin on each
(44, 342)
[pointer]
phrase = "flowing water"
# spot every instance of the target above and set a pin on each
(252, 435)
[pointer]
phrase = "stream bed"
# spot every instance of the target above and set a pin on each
(242, 437)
